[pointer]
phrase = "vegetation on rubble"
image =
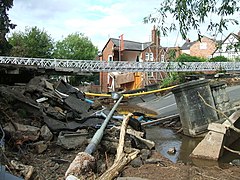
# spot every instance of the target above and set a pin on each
(174, 78)
(5, 26)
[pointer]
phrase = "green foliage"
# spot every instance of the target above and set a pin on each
(237, 59)
(5, 26)
(75, 46)
(188, 58)
(79, 47)
(170, 80)
(31, 43)
(174, 78)
(190, 14)
(172, 54)
(219, 59)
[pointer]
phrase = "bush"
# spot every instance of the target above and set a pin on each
(219, 59)
(188, 58)
(237, 59)
(172, 79)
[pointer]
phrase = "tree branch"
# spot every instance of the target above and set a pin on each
(220, 112)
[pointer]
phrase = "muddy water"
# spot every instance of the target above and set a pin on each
(166, 138)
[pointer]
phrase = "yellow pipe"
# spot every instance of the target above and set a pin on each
(148, 92)
(96, 94)
(130, 95)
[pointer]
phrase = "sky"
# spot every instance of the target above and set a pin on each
(99, 20)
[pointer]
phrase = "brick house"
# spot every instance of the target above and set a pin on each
(227, 47)
(125, 50)
(200, 48)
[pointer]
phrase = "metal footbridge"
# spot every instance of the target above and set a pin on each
(118, 66)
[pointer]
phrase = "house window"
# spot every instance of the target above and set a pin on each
(203, 46)
(150, 74)
(110, 58)
(151, 56)
(162, 58)
(146, 56)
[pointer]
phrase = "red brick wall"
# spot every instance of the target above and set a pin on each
(103, 75)
(205, 51)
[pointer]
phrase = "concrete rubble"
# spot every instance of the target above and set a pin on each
(42, 116)
(218, 136)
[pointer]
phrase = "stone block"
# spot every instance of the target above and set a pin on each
(216, 127)
(210, 147)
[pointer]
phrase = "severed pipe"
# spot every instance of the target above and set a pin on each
(84, 161)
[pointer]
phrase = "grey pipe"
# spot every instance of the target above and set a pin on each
(99, 133)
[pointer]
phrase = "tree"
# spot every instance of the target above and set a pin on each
(5, 26)
(79, 47)
(191, 13)
(31, 43)
(75, 46)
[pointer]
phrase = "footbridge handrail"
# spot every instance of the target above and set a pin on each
(120, 66)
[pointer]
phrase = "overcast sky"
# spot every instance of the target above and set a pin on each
(97, 19)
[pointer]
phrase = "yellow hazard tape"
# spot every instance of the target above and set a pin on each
(130, 95)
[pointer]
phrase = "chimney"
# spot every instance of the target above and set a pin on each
(155, 36)
(239, 33)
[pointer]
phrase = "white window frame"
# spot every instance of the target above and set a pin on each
(147, 56)
(110, 58)
(151, 56)
(162, 58)
(150, 74)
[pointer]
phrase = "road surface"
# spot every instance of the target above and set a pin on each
(166, 105)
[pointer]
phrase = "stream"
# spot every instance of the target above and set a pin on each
(166, 138)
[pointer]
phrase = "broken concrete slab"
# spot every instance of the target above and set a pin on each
(72, 140)
(56, 125)
(46, 134)
(216, 127)
(40, 146)
(210, 147)
(218, 136)
(48, 85)
(66, 89)
(36, 84)
(77, 104)
(27, 132)
(56, 113)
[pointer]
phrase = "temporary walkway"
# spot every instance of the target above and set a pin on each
(119, 66)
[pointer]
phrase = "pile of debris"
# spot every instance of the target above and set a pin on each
(44, 125)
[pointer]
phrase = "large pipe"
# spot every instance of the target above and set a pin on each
(99, 133)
